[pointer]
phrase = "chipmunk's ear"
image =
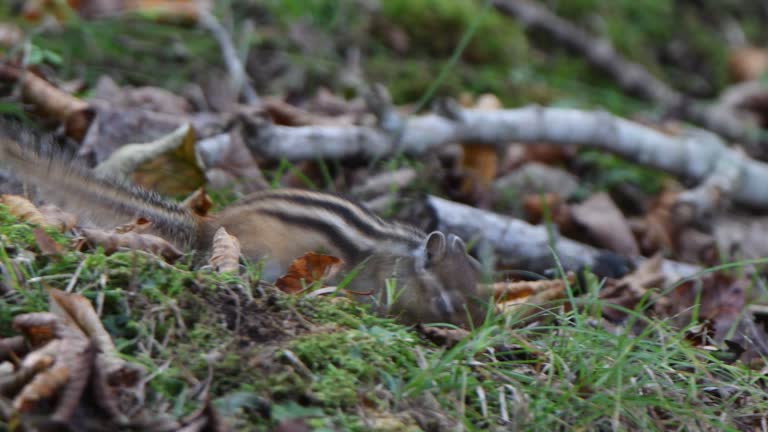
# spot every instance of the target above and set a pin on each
(434, 247)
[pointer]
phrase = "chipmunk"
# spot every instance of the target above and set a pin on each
(403, 272)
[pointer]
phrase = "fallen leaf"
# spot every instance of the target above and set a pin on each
(550, 207)
(308, 269)
(23, 209)
(168, 165)
(113, 242)
(443, 336)
(225, 256)
(479, 162)
(519, 291)
(603, 222)
(42, 386)
(47, 245)
(50, 101)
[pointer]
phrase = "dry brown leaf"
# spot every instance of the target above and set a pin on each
(13, 382)
(23, 209)
(516, 292)
(308, 269)
(57, 218)
(225, 256)
(629, 290)
(47, 245)
(600, 219)
(479, 162)
(199, 202)
(177, 172)
(50, 101)
(113, 242)
(655, 231)
(42, 386)
(74, 309)
(443, 336)
(551, 205)
(544, 153)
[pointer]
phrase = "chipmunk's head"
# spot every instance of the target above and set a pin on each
(447, 282)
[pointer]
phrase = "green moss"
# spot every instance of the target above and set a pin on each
(436, 26)
(350, 363)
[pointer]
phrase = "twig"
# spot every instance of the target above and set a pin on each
(228, 51)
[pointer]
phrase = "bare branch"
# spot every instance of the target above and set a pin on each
(686, 156)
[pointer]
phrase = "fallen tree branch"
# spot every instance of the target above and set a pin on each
(630, 76)
(520, 244)
(686, 156)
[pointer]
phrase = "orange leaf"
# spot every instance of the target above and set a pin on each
(307, 269)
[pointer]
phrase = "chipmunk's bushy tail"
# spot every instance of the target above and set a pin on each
(106, 202)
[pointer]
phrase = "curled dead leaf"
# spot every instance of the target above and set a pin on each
(23, 209)
(51, 101)
(225, 256)
(308, 269)
(42, 386)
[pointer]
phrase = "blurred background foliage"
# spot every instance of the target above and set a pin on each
(294, 46)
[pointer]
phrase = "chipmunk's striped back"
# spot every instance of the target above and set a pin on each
(285, 223)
